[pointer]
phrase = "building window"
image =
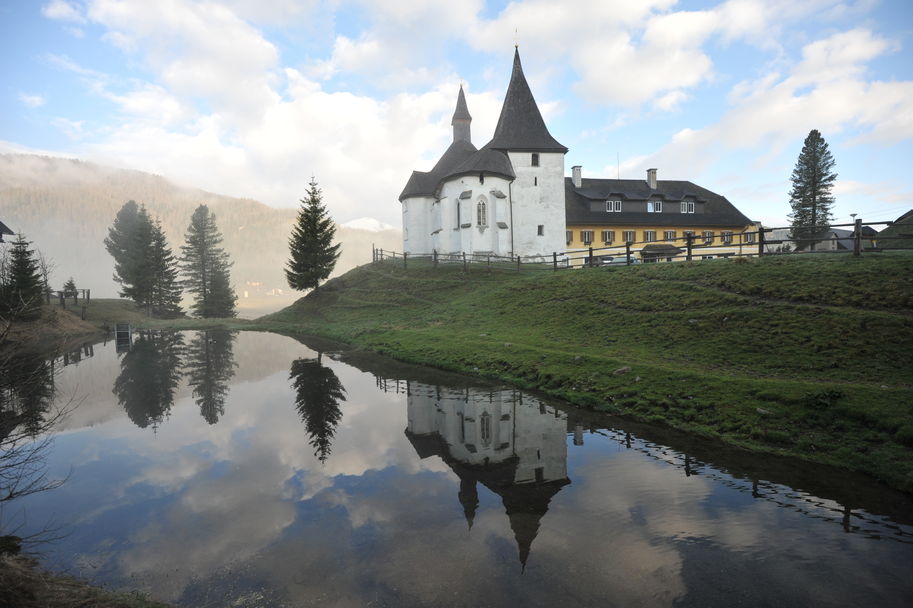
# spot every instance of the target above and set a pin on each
(535, 181)
(540, 230)
(708, 236)
(629, 236)
(481, 214)
(706, 257)
(481, 178)
(748, 237)
(608, 236)
(669, 235)
(649, 236)
(687, 206)
(485, 428)
(535, 161)
(457, 214)
(613, 206)
(586, 236)
(727, 237)
(568, 236)
(654, 206)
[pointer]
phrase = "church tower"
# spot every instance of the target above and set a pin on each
(537, 192)
(461, 119)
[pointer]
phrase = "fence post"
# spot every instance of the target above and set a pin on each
(465, 268)
(63, 300)
(434, 257)
(555, 260)
(489, 263)
(83, 312)
(591, 257)
(47, 294)
(88, 294)
(857, 238)
(518, 263)
(688, 239)
(373, 253)
(760, 241)
(628, 253)
(405, 255)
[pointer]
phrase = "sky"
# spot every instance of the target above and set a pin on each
(252, 98)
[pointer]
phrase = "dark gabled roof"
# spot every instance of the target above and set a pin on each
(520, 126)
(488, 161)
(462, 111)
(717, 210)
(422, 183)
(4, 229)
(899, 230)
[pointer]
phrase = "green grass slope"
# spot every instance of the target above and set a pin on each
(803, 355)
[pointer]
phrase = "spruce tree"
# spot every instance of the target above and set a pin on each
(119, 242)
(23, 285)
(69, 288)
(166, 289)
(210, 364)
(205, 267)
(313, 254)
(318, 393)
(810, 197)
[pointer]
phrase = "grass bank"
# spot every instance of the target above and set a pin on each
(806, 356)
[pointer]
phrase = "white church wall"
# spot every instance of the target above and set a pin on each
(417, 225)
(540, 441)
(538, 200)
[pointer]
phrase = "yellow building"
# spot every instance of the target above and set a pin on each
(656, 217)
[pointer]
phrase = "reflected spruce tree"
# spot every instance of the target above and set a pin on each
(28, 416)
(149, 375)
(318, 393)
(210, 364)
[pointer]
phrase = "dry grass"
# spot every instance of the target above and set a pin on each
(24, 585)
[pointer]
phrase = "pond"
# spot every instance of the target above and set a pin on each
(252, 469)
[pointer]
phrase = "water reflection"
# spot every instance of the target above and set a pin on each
(318, 393)
(210, 365)
(441, 490)
(149, 374)
(515, 449)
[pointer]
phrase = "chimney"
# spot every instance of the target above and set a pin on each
(576, 173)
(651, 178)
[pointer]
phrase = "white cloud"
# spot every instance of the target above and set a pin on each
(63, 11)
(32, 101)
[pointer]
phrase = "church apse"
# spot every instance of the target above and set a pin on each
(508, 442)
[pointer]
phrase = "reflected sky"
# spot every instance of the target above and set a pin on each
(412, 488)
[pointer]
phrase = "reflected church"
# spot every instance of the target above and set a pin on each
(512, 444)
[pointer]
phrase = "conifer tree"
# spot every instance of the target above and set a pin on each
(166, 289)
(210, 364)
(22, 285)
(810, 197)
(119, 242)
(318, 393)
(205, 267)
(313, 254)
(69, 288)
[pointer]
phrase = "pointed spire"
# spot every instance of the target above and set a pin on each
(469, 498)
(461, 119)
(520, 126)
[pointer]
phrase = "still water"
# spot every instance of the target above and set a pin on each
(251, 469)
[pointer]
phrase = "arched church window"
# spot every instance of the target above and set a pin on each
(485, 428)
(482, 214)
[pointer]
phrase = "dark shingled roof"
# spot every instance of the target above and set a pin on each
(486, 161)
(520, 126)
(462, 111)
(717, 210)
(422, 183)
(4, 229)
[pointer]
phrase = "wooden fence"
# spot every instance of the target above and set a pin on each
(688, 247)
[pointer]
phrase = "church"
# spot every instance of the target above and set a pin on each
(511, 198)
(505, 198)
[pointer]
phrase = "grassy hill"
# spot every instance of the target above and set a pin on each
(803, 355)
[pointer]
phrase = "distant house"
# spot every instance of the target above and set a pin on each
(655, 215)
(900, 233)
(4, 229)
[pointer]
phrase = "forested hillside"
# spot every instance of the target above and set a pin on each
(66, 206)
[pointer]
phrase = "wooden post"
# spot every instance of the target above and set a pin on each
(373, 253)
(760, 241)
(405, 255)
(555, 260)
(857, 238)
(518, 263)
(688, 239)
(591, 256)
(83, 312)
(465, 268)
(47, 295)
(434, 257)
(88, 293)
(63, 300)
(628, 253)
(489, 263)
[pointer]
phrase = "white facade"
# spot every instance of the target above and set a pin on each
(506, 199)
